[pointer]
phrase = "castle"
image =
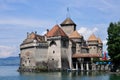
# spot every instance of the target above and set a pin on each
(61, 48)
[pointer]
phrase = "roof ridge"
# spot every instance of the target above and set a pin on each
(99, 40)
(56, 31)
(75, 34)
(68, 21)
(92, 38)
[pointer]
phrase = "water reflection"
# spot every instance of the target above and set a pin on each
(114, 76)
(67, 76)
(10, 73)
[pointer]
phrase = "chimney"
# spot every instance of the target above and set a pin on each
(35, 32)
(47, 30)
(27, 34)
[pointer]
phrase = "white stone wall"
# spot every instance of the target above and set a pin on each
(78, 48)
(41, 54)
(100, 48)
(93, 47)
(65, 58)
(28, 57)
(54, 52)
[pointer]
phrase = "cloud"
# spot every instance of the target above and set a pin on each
(44, 32)
(26, 22)
(101, 6)
(7, 5)
(7, 51)
(104, 42)
(86, 32)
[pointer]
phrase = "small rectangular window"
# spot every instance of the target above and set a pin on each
(53, 52)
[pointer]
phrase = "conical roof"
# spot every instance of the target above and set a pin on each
(67, 21)
(92, 38)
(75, 34)
(56, 31)
(99, 40)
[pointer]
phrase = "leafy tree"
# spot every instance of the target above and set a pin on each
(114, 44)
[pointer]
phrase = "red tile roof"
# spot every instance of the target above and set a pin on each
(33, 36)
(99, 40)
(92, 38)
(82, 55)
(56, 31)
(75, 34)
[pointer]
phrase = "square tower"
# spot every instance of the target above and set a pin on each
(68, 26)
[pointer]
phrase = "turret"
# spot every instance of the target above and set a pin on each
(93, 44)
(68, 26)
(58, 48)
(78, 39)
(100, 45)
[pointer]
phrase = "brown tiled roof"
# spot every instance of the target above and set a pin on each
(56, 31)
(75, 34)
(33, 36)
(92, 38)
(99, 40)
(68, 21)
(82, 55)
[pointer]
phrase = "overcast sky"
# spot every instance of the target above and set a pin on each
(17, 17)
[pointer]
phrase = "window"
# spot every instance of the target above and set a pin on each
(52, 59)
(29, 61)
(64, 43)
(53, 52)
(52, 43)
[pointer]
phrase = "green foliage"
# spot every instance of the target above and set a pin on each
(114, 43)
(96, 59)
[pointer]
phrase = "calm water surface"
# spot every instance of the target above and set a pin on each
(10, 73)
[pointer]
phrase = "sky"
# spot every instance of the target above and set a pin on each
(17, 17)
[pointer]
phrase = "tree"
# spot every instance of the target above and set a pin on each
(114, 44)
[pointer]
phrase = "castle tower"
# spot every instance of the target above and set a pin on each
(100, 45)
(68, 26)
(78, 39)
(93, 44)
(32, 50)
(58, 48)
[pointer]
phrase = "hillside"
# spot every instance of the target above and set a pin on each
(10, 61)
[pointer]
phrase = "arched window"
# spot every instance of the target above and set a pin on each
(53, 52)
(53, 43)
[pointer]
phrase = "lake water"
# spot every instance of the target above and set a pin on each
(10, 73)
